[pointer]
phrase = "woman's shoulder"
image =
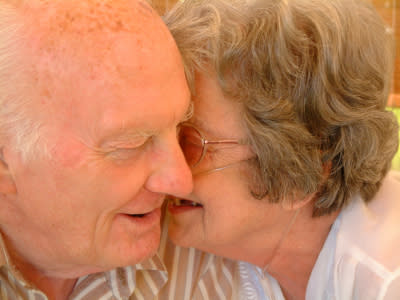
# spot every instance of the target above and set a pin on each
(374, 228)
(367, 256)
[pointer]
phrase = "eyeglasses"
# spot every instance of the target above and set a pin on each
(195, 146)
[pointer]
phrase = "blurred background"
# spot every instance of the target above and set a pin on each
(390, 12)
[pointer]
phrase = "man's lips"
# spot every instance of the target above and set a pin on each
(137, 215)
(145, 218)
(141, 215)
(133, 210)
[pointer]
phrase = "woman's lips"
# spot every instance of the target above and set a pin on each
(184, 202)
(176, 205)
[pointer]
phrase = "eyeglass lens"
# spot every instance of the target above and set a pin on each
(192, 145)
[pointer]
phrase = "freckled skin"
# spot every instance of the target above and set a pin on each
(58, 38)
(60, 31)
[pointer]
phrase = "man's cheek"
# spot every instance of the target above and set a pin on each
(69, 154)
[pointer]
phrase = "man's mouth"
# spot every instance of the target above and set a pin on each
(142, 215)
(138, 215)
(150, 217)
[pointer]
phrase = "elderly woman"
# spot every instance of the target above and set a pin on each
(290, 147)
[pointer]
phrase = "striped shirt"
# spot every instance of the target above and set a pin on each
(341, 271)
(140, 282)
(193, 275)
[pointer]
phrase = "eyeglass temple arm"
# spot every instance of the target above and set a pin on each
(222, 142)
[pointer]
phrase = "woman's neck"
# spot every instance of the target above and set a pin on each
(292, 262)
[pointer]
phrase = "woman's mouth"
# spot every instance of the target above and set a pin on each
(177, 205)
(184, 202)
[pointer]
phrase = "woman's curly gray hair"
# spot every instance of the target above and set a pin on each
(313, 77)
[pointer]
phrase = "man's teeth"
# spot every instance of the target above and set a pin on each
(183, 202)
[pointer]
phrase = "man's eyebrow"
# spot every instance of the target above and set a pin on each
(124, 135)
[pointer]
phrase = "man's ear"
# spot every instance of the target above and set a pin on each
(7, 184)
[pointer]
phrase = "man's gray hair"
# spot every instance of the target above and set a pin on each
(18, 124)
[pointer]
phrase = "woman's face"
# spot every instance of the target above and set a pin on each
(221, 216)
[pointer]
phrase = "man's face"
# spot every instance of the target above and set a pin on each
(94, 203)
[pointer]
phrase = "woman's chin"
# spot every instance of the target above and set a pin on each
(181, 236)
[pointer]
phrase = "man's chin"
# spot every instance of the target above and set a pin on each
(136, 251)
(128, 243)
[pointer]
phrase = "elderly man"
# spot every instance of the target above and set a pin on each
(91, 95)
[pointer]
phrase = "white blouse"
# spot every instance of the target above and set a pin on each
(360, 259)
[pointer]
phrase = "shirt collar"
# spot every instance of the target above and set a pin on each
(148, 277)
(121, 281)
(145, 279)
(5, 261)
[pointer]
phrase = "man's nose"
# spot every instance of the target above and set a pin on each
(171, 174)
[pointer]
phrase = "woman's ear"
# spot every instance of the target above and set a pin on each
(7, 184)
(298, 201)
(326, 168)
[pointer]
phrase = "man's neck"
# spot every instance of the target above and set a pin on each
(54, 288)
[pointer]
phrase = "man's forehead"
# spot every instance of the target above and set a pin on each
(54, 26)
(97, 51)
(75, 15)
(85, 38)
